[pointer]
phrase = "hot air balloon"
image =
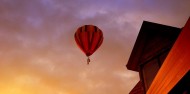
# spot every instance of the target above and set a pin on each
(88, 38)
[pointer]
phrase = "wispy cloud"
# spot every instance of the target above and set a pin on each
(38, 54)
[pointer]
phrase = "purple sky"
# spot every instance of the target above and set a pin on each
(38, 53)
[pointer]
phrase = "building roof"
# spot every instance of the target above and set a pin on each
(152, 40)
(138, 89)
(175, 66)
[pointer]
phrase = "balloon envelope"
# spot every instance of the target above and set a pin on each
(88, 38)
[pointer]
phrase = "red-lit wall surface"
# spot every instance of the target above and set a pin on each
(175, 66)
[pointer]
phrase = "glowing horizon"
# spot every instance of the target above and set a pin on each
(38, 54)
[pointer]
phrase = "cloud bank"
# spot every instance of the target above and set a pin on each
(38, 54)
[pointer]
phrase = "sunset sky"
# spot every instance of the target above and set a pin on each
(38, 53)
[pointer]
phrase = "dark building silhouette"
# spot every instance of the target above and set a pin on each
(154, 45)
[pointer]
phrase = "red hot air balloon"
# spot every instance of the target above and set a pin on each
(88, 38)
